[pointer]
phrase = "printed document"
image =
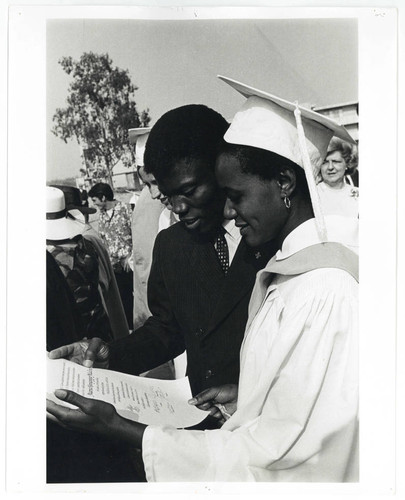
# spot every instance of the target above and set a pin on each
(146, 400)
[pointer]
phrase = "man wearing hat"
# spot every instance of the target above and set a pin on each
(76, 209)
(66, 228)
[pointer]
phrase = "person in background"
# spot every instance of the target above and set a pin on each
(150, 214)
(114, 228)
(139, 137)
(79, 282)
(337, 193)
(107, 283)
(294, 415)
(78, 259)
(145, 221)
(167, 217)
(75, 208)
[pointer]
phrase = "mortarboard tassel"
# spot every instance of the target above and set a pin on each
(309, 174)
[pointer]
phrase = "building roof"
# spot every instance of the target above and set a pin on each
(334, 106)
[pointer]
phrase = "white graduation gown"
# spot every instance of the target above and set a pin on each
(298, 388)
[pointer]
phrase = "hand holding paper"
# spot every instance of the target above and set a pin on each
(93, 416)
(86, 352)
(220, 401)
(149, 401)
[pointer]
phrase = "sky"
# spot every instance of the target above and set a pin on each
(175, 62)
(316, 60)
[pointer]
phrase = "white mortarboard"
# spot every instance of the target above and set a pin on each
(139, 136)
(282, 127)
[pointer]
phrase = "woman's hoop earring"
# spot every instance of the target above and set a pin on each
(287, 202)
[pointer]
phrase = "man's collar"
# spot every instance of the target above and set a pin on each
(231, 229)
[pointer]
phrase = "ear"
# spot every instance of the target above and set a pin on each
(287, 181)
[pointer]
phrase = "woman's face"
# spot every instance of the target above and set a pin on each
(254, 203)
(100, 203)
(333, 168)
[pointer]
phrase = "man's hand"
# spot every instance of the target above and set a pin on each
(93, 352)
(93, 416)
(221, 401)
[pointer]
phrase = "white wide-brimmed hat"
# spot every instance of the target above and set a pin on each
(139, 136)
(58, 227)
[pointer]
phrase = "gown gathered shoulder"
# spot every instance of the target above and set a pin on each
(297, 416)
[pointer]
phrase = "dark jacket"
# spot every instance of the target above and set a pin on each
(63, 324)
(194, 306)
(74, 457)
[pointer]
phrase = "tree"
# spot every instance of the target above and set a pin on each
(100, 110)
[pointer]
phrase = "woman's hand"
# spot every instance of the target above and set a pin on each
(221, 401)
(93, 416)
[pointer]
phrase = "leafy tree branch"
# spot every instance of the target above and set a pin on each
(100, 110)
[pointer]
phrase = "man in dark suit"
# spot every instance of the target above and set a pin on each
(202, 272)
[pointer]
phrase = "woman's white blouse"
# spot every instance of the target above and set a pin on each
(298, 394)
(343, 201)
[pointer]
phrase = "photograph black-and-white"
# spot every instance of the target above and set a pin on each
(201, 293)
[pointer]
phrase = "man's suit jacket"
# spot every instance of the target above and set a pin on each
(194, 306)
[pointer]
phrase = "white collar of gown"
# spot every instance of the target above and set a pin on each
(344, 230)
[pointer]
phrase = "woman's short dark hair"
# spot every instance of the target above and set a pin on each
(101, 189)
(186, 133)
(266, 165)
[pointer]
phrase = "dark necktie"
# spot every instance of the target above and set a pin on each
(221, 247)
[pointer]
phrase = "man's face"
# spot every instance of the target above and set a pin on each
(195, 196)
(151, 183)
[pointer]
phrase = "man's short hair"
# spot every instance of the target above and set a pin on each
(101, 189)
(187, 133)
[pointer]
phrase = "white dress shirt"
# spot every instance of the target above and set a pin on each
(166, 219)
(232, 237)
